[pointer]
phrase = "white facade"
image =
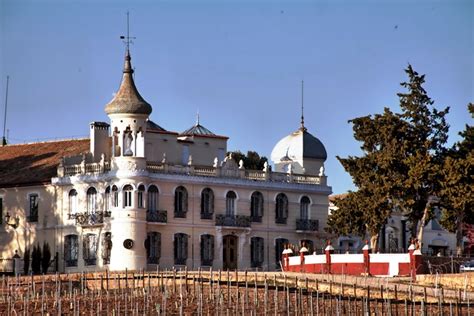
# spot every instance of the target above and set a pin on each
(141, 196)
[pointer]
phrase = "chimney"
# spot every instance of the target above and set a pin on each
(99, 136)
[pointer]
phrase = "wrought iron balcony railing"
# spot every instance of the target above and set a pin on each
(233, 220)
(90, 261)
(206, 215)
(71, 262)
(280, 220)
(156, 216)
(152, 260)
(90, 218)
(307, 224)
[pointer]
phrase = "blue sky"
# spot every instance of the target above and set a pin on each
(239, 63)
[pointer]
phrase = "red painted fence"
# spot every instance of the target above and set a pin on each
(366, 263)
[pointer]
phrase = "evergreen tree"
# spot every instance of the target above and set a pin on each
(36, 260)
(456, 194)
(252, 160)
(26, 261)
(402, 155)
(46, 258)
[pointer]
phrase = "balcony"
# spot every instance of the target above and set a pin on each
(156, 216)
(306, 225)
(85, 218)
(280, 220)
(206, 215)
(233, 220)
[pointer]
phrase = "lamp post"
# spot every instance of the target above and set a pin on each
(13, 222)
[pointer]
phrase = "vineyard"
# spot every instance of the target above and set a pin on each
(226, 293)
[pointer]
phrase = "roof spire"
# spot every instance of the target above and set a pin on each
(197, 118)
(302, 107)
(128, 99)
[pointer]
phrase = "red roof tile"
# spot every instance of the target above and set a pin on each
(36, 163)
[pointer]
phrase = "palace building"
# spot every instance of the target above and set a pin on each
(134, 195)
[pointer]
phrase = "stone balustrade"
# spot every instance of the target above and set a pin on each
(201, 171)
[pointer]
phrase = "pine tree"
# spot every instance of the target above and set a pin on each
(456, 194)
(402, 156)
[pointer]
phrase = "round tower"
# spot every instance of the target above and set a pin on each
(128, 113)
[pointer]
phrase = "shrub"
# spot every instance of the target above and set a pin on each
(36, 260)
(26, 261)
(46, 258)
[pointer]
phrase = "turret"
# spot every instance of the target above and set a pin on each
(128, 113)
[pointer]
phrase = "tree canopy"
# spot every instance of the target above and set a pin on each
(251, 161)
(402, 155)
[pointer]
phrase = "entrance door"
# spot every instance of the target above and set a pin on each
(229, 255)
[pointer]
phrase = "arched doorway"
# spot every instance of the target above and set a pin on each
(229, 252)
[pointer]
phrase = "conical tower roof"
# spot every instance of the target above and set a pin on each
(128, 100)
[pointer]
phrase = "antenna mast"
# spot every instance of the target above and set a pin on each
(302, 106)
(4, 140)
(128, 39)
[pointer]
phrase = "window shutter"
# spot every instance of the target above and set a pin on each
(185, 246)
(158, 245)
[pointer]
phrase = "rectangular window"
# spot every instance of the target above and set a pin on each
(71, 250)
(33, 215)
(153, 247)
(256, 252)
(185, 157)
(180, 248)
(207, 250)
(280, 244)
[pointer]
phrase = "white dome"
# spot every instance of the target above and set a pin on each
(297, 146)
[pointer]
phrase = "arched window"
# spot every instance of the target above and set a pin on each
(280, 244)
(107, 201)
(140, 195)
(256, 252)
(180, 202)
(91, 200)
(180, 248)
(230, 203)
(153, 247)
(72, 201)
(281, 209)
(256, 207)
(152, 198)
(115, 196)
(127, 195)
(304, 207)
(207, 203)
(207, 250)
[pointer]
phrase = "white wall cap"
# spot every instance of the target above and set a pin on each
(329, 248)
(287, 251)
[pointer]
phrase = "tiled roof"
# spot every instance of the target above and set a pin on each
(198, 130)
(35, 163)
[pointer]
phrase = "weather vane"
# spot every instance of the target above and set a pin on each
(127, 40)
